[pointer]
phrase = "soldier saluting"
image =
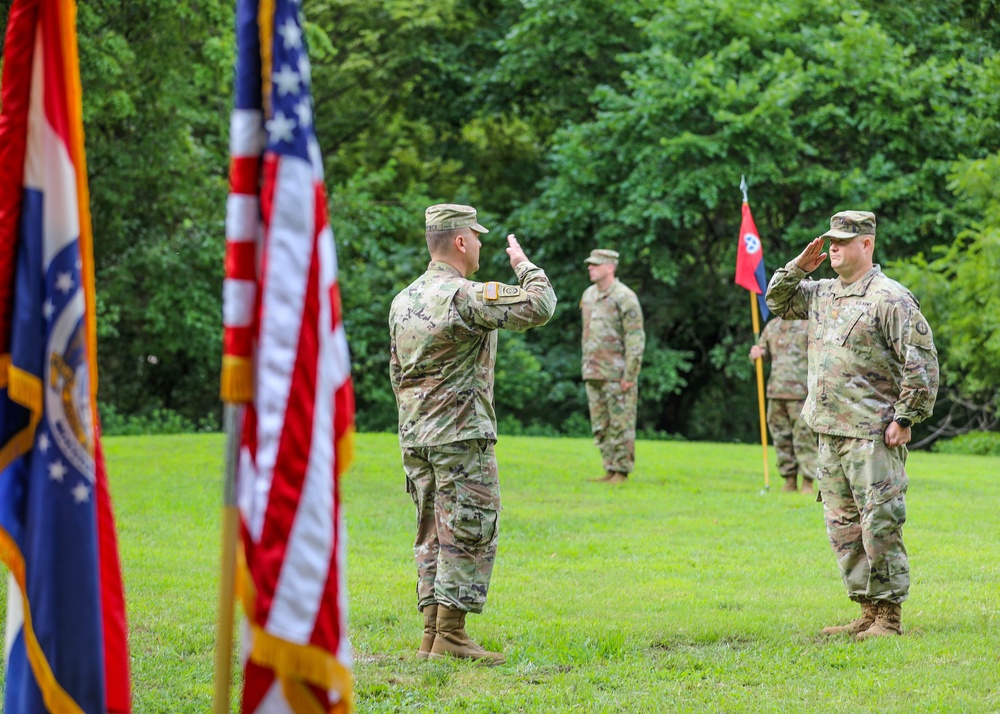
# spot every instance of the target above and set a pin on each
(873, 372)
(443, 346)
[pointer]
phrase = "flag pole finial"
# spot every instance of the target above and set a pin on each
(743, 187)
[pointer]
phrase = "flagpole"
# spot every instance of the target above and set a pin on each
(233, 419)
(755, 313)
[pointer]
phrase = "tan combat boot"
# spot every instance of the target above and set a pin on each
(606, 477)
(430, 629)
(859, 625)
(888, 620)
(618, 477)
(790, 484)
(807, 485)
(452, 639)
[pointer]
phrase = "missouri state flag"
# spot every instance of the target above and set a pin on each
(285, 356)
(750, 272)
(66, 642)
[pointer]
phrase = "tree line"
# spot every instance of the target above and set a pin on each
(575, 124)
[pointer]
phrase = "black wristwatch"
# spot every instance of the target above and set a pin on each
(903, 422)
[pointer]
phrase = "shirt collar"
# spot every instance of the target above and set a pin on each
(611, 287)
(443, 267)
(859, 286)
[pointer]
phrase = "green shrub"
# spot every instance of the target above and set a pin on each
(975, 443)
(155, 421)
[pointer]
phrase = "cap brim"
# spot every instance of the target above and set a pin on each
(479, 228)
(593, 261)
(842, 235)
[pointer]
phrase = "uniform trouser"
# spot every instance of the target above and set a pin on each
(612, 420)
(794, 442)
(456, 490)
(863, 484)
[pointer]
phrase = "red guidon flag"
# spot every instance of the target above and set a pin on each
(286, 358)
(750, 272)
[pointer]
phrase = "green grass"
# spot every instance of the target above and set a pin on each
(685, 590)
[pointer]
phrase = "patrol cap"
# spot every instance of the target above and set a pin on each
(850, 224)
(600, 256)
(452, 216)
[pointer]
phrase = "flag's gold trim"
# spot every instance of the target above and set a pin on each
(303, 662)
(237, 380)
(290, 661)
(300, 698)
(57, 701)
(265, 24)
(74, 106)
(345, 451)
(25, 389)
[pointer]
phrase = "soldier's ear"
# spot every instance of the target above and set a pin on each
(459, 243)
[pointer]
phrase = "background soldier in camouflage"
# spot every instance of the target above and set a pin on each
(613, 343)
(784, 344)
(442, 353)
(873, 371)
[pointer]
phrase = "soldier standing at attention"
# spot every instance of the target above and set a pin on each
(873, 372)
(784, 344)
(613, 343)
(443, 346)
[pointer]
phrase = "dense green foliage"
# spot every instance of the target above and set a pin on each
(155, 111)
(960, 287)
(576, 124)
(682, 591)
(973, 443)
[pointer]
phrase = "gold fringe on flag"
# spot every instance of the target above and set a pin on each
(288, 661)
(265, 21)
(237, 380)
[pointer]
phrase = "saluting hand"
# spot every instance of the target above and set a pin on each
(813, 256)
(514, 251)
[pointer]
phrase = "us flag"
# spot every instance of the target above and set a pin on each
(286, 358)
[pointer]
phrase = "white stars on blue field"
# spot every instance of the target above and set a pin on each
(289, 130)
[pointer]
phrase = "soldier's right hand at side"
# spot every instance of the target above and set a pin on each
(813, 256)
(756, 352)
(515, 252)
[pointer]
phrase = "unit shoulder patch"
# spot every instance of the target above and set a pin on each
(500, 294)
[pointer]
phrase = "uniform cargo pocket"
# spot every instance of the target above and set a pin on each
(475, 518)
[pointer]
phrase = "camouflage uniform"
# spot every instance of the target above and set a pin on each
(442, 353)
(784, 343)
(871, 359)
(613, 344)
